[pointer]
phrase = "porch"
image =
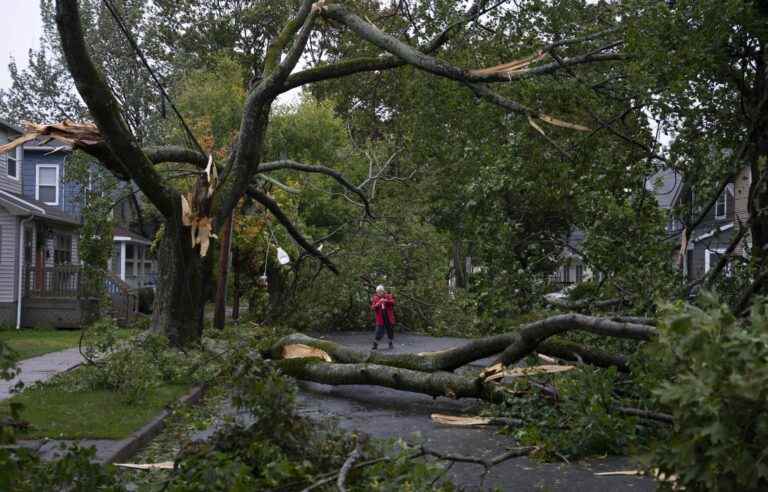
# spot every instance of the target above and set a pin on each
(64, 296)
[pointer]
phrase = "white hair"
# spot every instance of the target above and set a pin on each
(380, 288)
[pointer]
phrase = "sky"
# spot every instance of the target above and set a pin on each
(21, 27)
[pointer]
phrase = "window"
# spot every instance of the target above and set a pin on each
(62, 249)
(721, 205)
(579, 272)
(12, 160)
(47, 184)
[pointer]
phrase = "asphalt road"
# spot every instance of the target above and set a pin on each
(387, 413)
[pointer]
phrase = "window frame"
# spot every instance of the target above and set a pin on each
(17, 160)
(724, 197)
(70, 243)
(717, 253)
(37, 183)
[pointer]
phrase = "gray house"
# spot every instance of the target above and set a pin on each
(41, 281)
(699, 250)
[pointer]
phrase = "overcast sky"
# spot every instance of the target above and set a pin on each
(21, 27)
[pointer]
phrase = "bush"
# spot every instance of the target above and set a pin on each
(146, 299)
(717, 390)
(132, 368)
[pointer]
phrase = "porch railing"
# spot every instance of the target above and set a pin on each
(58, 281)
(69, 281)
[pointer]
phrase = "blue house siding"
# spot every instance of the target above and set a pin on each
(68, 192)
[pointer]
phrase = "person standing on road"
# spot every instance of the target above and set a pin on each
(383, 305)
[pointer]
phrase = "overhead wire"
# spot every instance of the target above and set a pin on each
(164, 94)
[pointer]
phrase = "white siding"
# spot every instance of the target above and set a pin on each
(9, 246)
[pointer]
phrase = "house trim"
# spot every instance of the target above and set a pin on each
(38, 167)
(714, 231)
(14, 197)
(131, 240)
(709, 252)
(122, 261)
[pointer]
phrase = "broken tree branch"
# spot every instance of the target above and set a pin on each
(434, 384)
(307, 168)
(106, 110)
(513, 346)
(577, 353)
(486, 463)
(354, 456)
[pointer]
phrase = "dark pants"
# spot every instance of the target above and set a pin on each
(386, 326)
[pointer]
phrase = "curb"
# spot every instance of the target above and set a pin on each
(131, 444)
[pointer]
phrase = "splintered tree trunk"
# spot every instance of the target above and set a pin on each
(183, 287)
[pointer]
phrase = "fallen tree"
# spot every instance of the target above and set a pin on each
(439, 383)
(322, 361)
(512, 346)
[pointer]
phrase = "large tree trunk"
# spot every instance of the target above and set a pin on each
(459, 265)
(236, 283)
(183, 287)
(512, 346)
(430, 383)
(220, 310)
(326, 362)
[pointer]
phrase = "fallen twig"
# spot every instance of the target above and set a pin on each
(354, 456)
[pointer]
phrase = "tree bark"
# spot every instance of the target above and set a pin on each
(236, 283)
(220, 312)
(459, 265)
(183, 287)
(512, 346)
(434, 384)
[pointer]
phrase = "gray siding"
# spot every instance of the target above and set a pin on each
(68, 192)
(6, 183)
(9, 246)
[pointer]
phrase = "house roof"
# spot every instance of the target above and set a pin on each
(122, 234)
(47, 144)
(665, 185)
(10, 126)
(21, 205)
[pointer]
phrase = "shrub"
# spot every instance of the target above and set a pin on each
(717, 390)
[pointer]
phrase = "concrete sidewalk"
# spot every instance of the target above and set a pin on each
(41, 368)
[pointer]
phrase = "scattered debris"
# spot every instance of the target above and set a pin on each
(459, 421)
(511, 67)
(165, 465)
(66, 132)
(497, 371)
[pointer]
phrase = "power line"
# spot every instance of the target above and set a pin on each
(113, 11)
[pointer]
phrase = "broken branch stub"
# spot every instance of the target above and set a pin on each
(196, 208)
(301, 351)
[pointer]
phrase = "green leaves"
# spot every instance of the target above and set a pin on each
(716, 386)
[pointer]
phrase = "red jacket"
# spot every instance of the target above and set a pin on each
(381, 304)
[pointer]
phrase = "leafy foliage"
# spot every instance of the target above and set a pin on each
(716, 386)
